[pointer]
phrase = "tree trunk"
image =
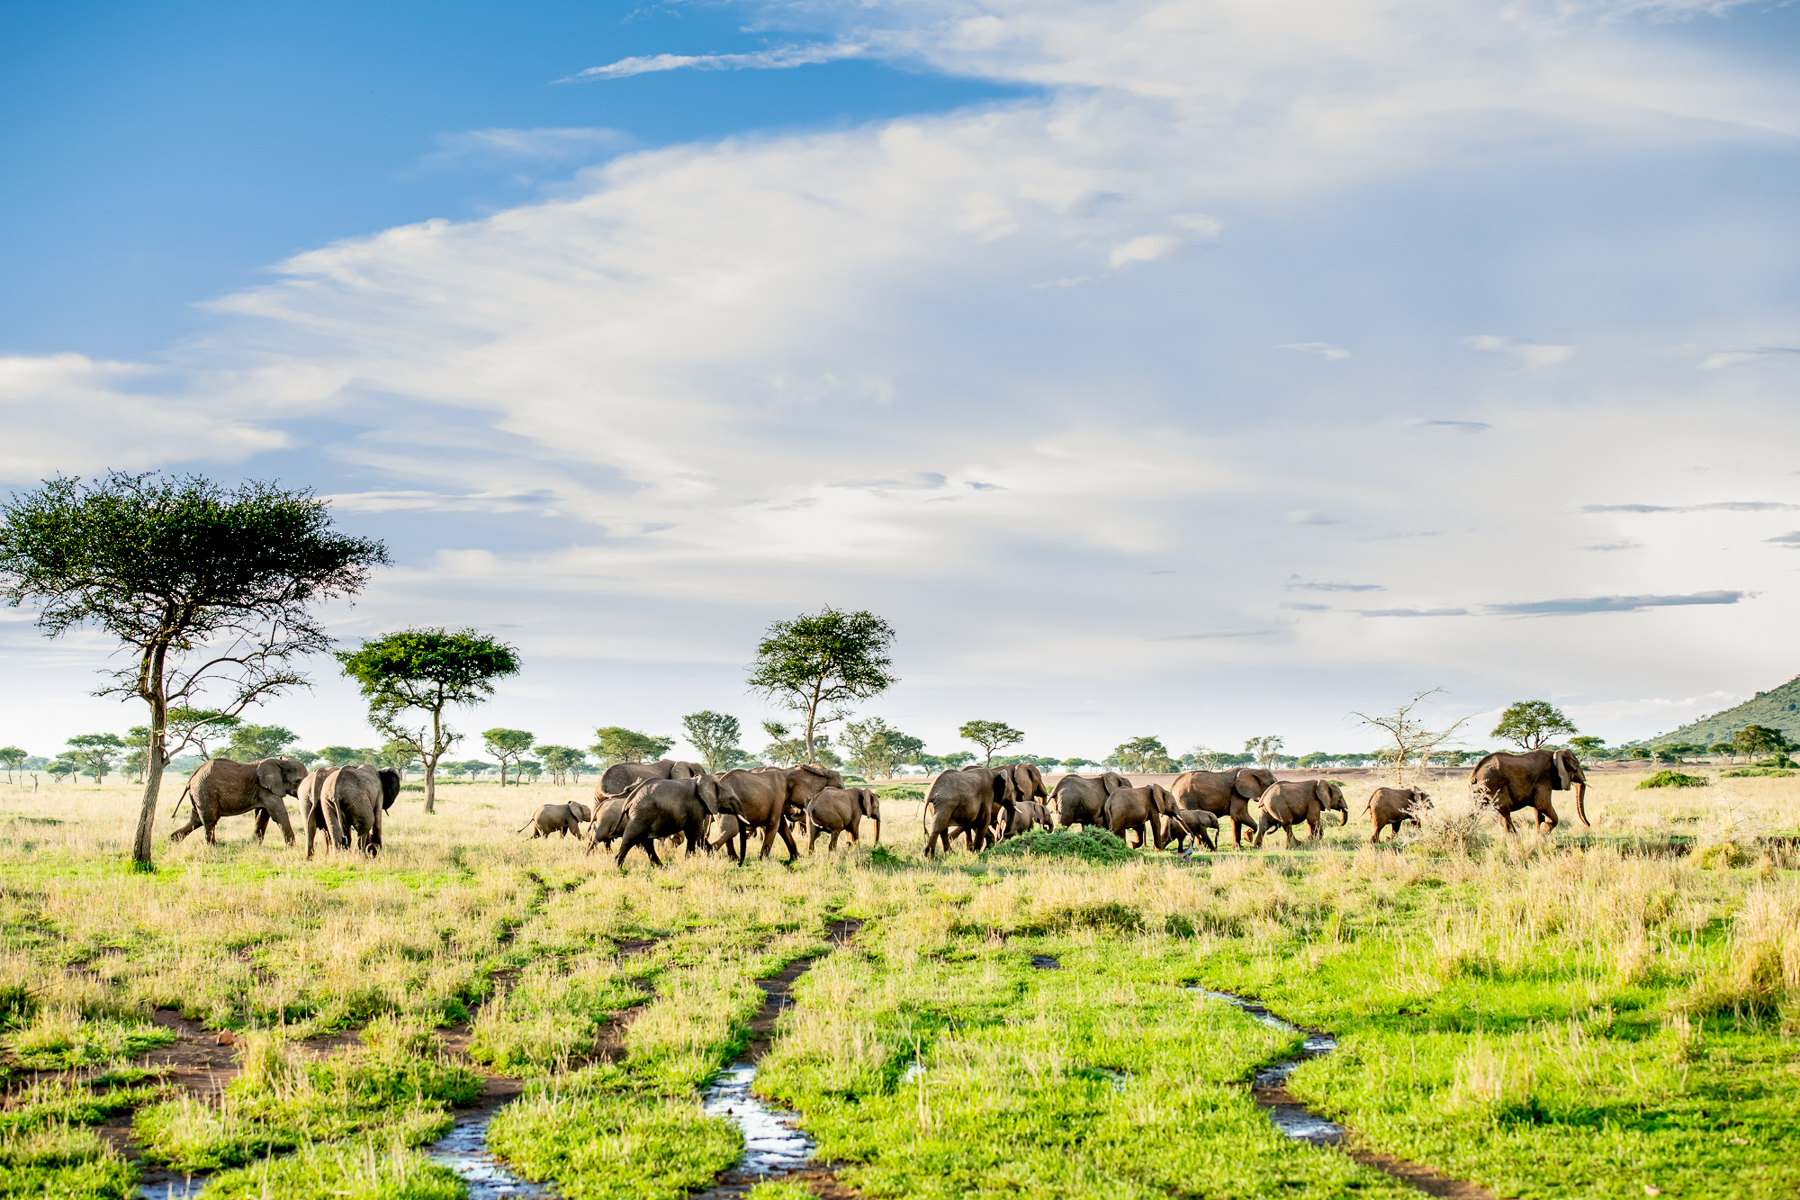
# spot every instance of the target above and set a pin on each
(437, 752)
(151, 686)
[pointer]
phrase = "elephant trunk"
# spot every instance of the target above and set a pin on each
(1581, 801)
(877, 821)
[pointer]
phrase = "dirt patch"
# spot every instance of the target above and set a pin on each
(1421, 1177)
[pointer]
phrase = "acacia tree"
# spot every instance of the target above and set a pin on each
(1141, 755)
(197, 726)
(1531, 723)
(816, 664)
(1266, 749)
(991, 736)
(876, 748)
(12, 758)
(94, 753)
(428, 670)
(507, 745)
(249, 743)
(202, 586)
(560, 760)
(1412, 740)
(715, 736)
(616, 744)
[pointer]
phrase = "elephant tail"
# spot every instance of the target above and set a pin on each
(187, 794)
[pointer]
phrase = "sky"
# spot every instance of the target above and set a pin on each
(1193, 369)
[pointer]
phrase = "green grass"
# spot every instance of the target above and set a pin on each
(359, 1171)
(1090, 845)
(1674, 779)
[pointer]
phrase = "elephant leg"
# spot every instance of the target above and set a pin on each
(212, 838)
(194, 823)
(1506, 817)
(832, 844)
(262, 824)
(1208, 840)
(769, 837)
(1240, 819)
(813, 841)
(282, 819)
(793, 847)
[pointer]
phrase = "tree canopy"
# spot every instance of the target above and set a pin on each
(251, 742)
(1530, 723)
(1144, 755)
(428, 670)
(207, 587)
(875, 748)
(991, 736)
(507, 745)
(616, 744)
(714, 736)
(816, 664)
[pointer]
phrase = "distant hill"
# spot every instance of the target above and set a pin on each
(1778, 709)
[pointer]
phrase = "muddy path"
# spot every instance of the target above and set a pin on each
(1294, 1119)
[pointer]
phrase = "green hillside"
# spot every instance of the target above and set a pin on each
(1778, 709)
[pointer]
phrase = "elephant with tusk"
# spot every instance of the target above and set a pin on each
(1291, 801)
(1515, 781)
(224, 788)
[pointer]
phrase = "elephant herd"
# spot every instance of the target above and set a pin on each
(345, 802)
(638, 804)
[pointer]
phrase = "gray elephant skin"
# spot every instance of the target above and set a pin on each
(1515, 781)
(663, 808)
(224, 788)
(1197, 823)
(841, 810)
(1292, 801)
(1138, 808)
(1392, 805)
(1026, 816)
(618, 778)
(352, 802)
(969, 802)
(1224, 794)
(771, 799)
(558, 818)
(1078, 798)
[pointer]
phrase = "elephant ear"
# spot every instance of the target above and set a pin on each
(270, 777)
(708, 788)
(1245, 785)
(390, 787)
(1112, 781)
(1561, 759)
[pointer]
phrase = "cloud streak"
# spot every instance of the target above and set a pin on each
(1611, 604)
(1749, 506)
(781, 58)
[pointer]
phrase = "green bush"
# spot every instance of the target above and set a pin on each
(1674, 779)
(1090, 845)
(901, 791)
(1754, 773)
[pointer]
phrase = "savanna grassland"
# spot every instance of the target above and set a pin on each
(1539, 1018)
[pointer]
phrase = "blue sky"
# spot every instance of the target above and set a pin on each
(1175, 368)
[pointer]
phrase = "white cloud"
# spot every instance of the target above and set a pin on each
(552, 145)
(1148, 248)
(1530, 354)
(1737, 358)
(1324, 350)
(777, 59)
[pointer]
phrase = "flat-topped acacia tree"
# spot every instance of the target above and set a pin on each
(206, 589)
(428, 670)
(815, 664)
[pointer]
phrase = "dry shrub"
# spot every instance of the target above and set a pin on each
(1453, 825)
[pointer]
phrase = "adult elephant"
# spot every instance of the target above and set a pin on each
(618, 778)
(668, 808)
(1134, 808)
(1515, 781)
(609, 820)
(841, 810)
(224, 788)
(354, 801)
(968, 802)
(1079, 798)
(1392, 805)
(558, 818)
(1292, 801)
(767, 799)
(1224, 794)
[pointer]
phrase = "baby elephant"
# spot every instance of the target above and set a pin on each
(1289, 801)
(1026, 815)
(558, 818)
(1195, 823)
(841, 810)
(1394, 805)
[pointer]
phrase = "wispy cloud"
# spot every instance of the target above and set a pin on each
(1530, 354)
(1605, 604)
(1737, 358)
(780, 58)
(1456, 426)
(1718, 506)
(1152, 247)
(1625, 545)
(1223, 633)
(1298, 606)
(544, 144)
(1325, 586)
(1789, 540)
(1309, 516)
(1324, 350)
(1413, 612)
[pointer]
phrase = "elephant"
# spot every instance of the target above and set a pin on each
(618, 778)
(968, 802)
(1515, 781)
(1224, 793)
(841, 810)
(1079, 798)
(1196, 823)
(665, 807)
(354, 800)
(331, 817)
(609, 819)
(1134, 808)
(1393, 805)
(1026, 816)
(1292, 800)
(767, 798)
(558, 818)
(223, 788)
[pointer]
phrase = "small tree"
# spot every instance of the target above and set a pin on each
(1411, 739)
(1142, 755)
(814, 665)
(991, 736)
(250, 743)
(507, 745)
(1756, 741)
(1265, 750)
(397, 756)
(616, 744)
(788, 749)
(340, 756)
(13, 759)
(61, 767)
(94, 753)
(1586, 746)
(202, 586)
(428, 670)
(714, 736)
(1531, 723)
(876, 749)
(529, 769)
(560, 760)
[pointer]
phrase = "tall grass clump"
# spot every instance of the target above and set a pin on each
(1665, 778)
(1454, 825)
(1090, 845)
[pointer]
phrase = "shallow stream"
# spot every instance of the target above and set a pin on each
(464, 1150)
(1269, 1088)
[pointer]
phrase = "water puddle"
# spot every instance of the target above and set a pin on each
(772, 1145)
(1045, 962)
(464, 1150)
(1269, 1088)
(163, 1186)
